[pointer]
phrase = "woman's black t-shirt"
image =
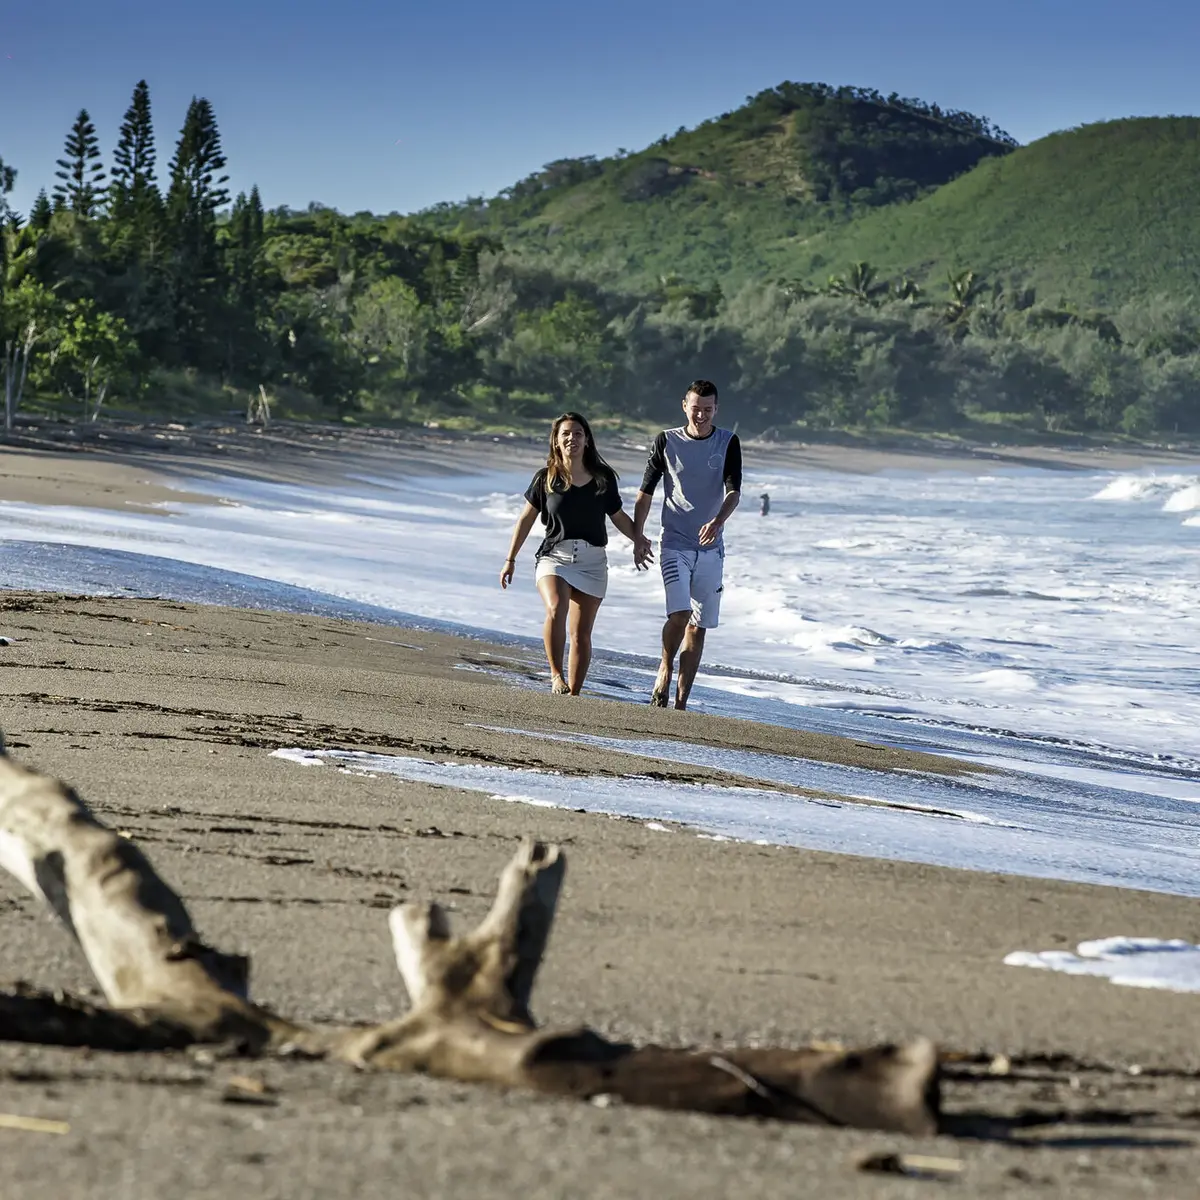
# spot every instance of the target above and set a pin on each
(575, 512)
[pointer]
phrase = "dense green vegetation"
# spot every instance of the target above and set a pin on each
(834, 257)
(1098, 216)
(729, 200)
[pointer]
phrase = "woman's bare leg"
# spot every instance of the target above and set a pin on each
(556, 594)
(583, 616)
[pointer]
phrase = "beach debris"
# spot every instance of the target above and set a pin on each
(258, 409)
(32, 1124)
(919, 1166)
(744, 1077)
(247, 1089)
(470, 1017)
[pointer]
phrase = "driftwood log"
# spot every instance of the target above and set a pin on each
(470, 994)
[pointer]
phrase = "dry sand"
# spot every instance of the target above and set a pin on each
(163, 716)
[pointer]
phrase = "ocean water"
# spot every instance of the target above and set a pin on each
(1046, 622)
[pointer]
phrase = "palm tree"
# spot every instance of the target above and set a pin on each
(906, 290)
(964, 291)
(858, 282)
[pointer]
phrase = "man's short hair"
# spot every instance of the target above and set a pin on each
(703, 388)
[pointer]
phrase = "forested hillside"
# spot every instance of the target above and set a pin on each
(1102, 215)
(730, 200)
(836, 258)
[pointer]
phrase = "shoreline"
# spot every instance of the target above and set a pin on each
(141, 465)
(164, 717)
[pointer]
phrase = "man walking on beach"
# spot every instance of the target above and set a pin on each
(701, 469)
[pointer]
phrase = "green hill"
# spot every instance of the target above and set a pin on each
(805, 179)
(729, 200)
(1094, 216)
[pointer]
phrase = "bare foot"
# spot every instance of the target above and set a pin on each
(558, 685)
(662, 686)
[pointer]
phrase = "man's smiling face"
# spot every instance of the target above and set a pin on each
(701, 411)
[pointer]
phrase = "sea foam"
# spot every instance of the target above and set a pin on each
(1171, 965)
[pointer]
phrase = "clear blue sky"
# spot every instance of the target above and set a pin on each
(367, 104)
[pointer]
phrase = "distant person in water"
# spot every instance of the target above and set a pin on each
(573, 494)
(765, 505)
(701, 469)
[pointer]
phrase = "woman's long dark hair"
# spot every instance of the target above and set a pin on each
(557, 469)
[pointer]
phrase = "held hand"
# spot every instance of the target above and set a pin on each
(710, 532)
(643, 552)
(507, 574)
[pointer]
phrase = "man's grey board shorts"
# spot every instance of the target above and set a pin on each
(694, 580)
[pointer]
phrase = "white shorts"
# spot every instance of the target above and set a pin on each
(694, 579)
(582, 565)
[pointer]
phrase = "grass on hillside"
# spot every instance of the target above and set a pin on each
(729, 200)
(1093, 216)
(1090, 217)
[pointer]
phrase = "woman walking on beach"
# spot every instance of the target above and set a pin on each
(573, 493)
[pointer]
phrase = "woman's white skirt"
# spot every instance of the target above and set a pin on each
(582, 565)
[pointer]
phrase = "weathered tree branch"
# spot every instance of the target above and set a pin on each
(470, 995)
(133, 929)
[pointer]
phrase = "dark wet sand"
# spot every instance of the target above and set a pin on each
(163, 716)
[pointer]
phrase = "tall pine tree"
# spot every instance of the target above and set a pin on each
(40, 213)
(196, 190)
(243, 253)
(8, 177)
(80, 172)
(135, 231)
(195, 194)
(134, 193)
(243, 241)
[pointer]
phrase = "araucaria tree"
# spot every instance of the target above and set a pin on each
(196, 192)
(41, 212)
(247, 295)
(133, 189)
(7, 178)
(80, 172)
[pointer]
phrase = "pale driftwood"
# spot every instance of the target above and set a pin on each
(133, 929)
(258, 408)
(470, 995)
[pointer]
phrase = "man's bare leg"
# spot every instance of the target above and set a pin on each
(555, 595)
(672, 638)
(689, 663)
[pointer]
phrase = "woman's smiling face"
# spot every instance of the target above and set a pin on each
(571, 439)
